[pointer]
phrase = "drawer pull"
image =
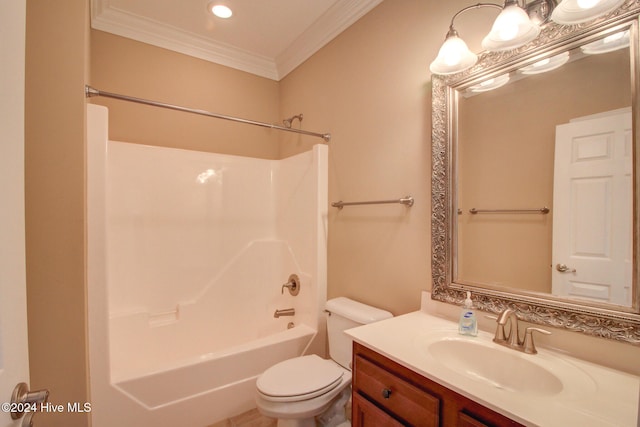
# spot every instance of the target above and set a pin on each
(386, 393)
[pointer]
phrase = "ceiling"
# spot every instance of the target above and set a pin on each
(268, 38)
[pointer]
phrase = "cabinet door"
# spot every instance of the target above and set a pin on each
(366, 414)
(465, 420)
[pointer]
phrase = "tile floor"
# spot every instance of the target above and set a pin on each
(251, 418)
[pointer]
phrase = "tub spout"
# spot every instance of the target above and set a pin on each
(285, 312)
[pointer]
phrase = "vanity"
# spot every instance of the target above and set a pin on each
(387, 393)
(416, 369)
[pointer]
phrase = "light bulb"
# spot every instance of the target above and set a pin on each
(451, 51)
(619, 40)
(490, 84)
(511, 29)
(587, 4)
(541, 63)
(508, 32)
(546, 64)
(614, 37)
(508, 23)
(454, 56)
(569, 12)
(487, 82)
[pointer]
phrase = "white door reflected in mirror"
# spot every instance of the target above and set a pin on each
(592, 220)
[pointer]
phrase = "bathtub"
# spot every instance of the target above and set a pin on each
(214, 373)
(183, 284)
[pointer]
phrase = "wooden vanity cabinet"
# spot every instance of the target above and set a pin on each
(388, 394)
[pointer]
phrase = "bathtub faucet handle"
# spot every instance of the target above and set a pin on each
(293, 285)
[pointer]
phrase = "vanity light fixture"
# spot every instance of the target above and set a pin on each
(577, 11)
(512, 28)
(610, 43)
(490, 84)
(454, 55)
(220, 10)
(546, 64)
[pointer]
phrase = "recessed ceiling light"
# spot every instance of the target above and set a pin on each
(220, 10)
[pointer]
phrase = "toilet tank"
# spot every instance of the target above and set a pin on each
(345, 313)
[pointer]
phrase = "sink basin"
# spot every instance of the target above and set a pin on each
(498, 368)
(481, 360)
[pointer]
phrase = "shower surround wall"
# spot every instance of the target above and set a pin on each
(188, 252)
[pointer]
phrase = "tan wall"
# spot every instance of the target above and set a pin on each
(370, 88)
(56, 48)
(128, 67)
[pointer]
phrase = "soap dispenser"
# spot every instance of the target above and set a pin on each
(468, 324)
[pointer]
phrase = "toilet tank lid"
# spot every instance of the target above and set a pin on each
(356, 311)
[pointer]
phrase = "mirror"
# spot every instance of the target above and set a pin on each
(524, 215)
(510, 232)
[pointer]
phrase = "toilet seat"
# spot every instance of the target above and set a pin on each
(300, 378)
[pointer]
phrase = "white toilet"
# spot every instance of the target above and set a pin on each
(297, 390)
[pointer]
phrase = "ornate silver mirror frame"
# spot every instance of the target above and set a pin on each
(622, 325)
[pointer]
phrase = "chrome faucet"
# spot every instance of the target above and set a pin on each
(285, 312)
(512, 338)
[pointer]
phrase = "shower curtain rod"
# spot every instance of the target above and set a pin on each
(90, 92)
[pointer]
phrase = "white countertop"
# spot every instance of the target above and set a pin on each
(608, 398)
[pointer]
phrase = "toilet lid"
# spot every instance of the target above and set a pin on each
(299, 378)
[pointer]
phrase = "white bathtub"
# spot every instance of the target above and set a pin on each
(212, 373)
(184, 282)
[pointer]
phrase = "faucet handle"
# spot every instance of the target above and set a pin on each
(293, 285)
(528, 345)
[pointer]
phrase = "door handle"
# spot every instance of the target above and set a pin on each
(22, 400)
(562, 268)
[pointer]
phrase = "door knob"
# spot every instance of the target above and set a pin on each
(25, 401)
(562, 268)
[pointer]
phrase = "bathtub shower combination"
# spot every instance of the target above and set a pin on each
(188, 255)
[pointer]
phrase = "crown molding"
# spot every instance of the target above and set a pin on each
(142, 29)
(340, 16)
(334, 21)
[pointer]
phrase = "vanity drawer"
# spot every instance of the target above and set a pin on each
(366, 414)
(397, 396)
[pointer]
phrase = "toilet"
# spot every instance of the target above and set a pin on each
(299, 390)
